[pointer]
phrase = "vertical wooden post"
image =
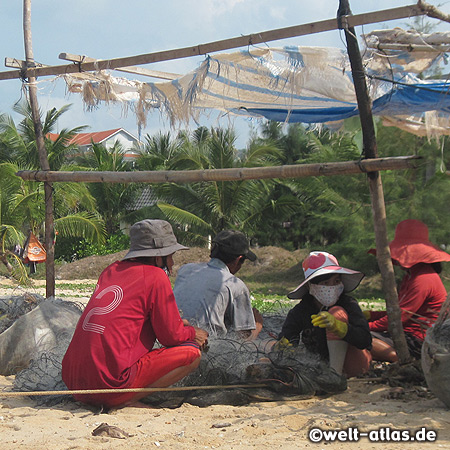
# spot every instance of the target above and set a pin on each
(43, 160)
(376, 187)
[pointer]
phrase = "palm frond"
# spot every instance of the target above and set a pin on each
(178, 215)
(86, 225)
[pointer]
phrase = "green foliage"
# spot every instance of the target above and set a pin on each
(204, 208)
(112, 199)
(335, 213)
(314, 213)
(69, 250)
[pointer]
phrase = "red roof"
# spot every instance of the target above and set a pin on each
(87, 138)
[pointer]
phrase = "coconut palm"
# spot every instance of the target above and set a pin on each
(22, 207)
(207, 207)
(19, 142)
(22, 211)
(157, 152)
(112, 199)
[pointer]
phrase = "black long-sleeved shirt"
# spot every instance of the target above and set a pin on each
(298, 325)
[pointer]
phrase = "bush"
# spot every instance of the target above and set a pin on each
(68, 249)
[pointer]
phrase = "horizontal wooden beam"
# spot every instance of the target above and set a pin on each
(232, 174)
(226, 44)
(412, 47)
(19, 63)
(131, 69)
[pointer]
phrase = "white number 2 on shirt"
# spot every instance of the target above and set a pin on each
(88, 325)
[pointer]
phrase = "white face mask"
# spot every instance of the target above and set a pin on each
(326, 295)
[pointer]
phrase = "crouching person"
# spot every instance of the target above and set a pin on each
(133, 306)
(328, 321)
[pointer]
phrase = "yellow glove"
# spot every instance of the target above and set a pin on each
(282, 344)
(366, 314)
(326, 320)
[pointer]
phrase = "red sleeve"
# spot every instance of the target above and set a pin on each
(411, 296)
(165, 317)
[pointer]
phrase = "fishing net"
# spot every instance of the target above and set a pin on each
(34, 338)
(34, 345)
(265, 373)
(13, 307)
(44, 374)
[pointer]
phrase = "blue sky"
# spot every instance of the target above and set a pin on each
(112, 29)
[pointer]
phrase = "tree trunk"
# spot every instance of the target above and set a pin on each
(5, 261)
(376, 188)
(48, 190)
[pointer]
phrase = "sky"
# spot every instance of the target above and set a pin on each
(106, 29)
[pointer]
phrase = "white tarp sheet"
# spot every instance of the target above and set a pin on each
(291, 84)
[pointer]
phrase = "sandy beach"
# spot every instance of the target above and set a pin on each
(372, 407)
(365, 406)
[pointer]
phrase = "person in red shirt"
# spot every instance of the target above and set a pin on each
(421, 291)
(133, 306)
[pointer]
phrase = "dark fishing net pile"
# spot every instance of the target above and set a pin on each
(265, 374)
(33, 340)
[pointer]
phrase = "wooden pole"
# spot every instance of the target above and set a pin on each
(245, 173)
(262, 37)
(43, 160)
(432, 11)
(131, 69)
(376, 187)
(125, 390)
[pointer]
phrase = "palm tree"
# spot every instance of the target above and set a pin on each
(22, 202)
(208, 207)
(158, 151)
(22, 211)
(20, 141)
(112, 199)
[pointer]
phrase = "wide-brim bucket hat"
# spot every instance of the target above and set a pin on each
(152, 237)
(323, 263)
(411, 245)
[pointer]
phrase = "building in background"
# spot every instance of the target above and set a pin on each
(107, 138)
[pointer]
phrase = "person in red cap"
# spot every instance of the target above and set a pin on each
(327, 320)
(421, 292)
(133, 306)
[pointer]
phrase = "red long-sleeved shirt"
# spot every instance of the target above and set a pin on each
(421, 295)
(132, 306)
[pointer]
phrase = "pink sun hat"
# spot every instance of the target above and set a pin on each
(323, 263)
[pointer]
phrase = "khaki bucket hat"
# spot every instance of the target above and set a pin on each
(152, 237)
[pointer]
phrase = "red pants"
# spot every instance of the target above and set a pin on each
(149, 369)
(356, 361)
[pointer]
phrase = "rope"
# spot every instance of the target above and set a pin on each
(120, 391)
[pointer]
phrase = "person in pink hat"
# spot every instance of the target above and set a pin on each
(327, 320)
(421, 292)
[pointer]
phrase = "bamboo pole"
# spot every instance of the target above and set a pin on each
(245, 173)
(131, 69)
(402, 12)
(429, 48)
(376, 188)
(432, 11)
(126, 390)
(43, 160)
